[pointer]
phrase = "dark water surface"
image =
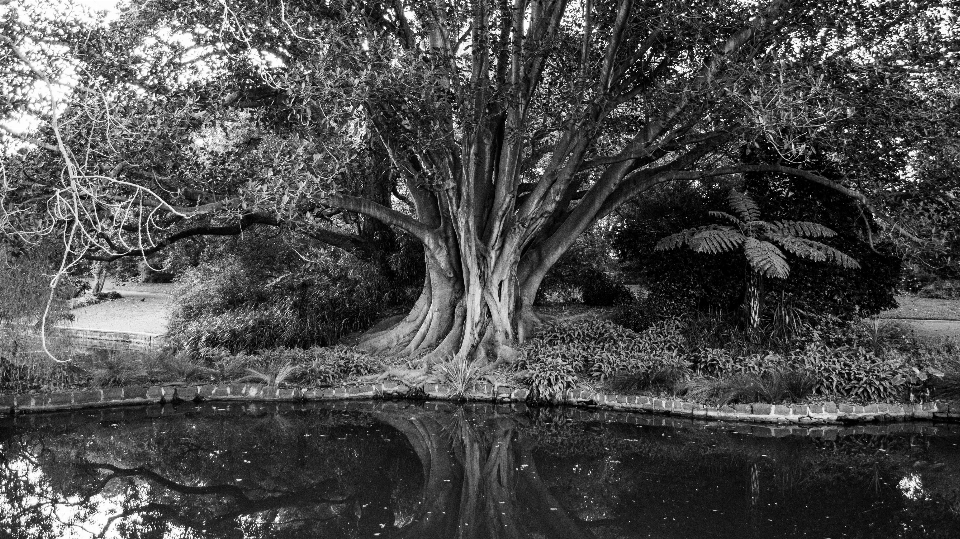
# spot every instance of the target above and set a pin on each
(442, 471)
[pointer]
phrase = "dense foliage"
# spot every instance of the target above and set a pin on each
(259, 293)
(848, 363)
(680, 282)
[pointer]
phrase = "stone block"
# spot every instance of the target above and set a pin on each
(112, 394)
(236, 390)
(686, 407)
(59, 399)
(799, 410)
(930, 407)
(762, 409)
(135, 393)
(920, 413)
(520, 395)
(846, 409)
(312, 394)
(92, 396)
(289, 394)
(699, 410)
(830, 408)
(815, 409)
(267, 392)
(204, 392)
(7, 403)
(744, 409)
(187, 393)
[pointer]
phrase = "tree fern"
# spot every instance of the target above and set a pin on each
(716, 240)
(800, 247)
(803, 229)
(759, 242)
(743, 205)
(726, 216)
(765, 258)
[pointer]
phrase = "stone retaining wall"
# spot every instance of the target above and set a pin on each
(801, 415)
(111, 340)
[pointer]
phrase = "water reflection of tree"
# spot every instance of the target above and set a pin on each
(464, 472)
(481, 479)
(224, 476)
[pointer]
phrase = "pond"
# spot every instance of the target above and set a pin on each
(438, 470)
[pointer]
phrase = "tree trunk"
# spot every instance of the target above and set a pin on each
(475, 313)
(753, 299)
(99, 276)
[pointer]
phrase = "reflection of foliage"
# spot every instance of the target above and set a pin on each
(217, 477)
(552, 472)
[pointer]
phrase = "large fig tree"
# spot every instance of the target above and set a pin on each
(494, 132)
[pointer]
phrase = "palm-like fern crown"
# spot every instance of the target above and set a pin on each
(760, 241)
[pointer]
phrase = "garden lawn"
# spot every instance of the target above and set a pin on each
(927, 316)
(917, 308)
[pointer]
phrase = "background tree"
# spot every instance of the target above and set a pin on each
(493, 133)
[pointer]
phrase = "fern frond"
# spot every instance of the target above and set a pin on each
(816, 251)
(675, 241)
(838, 258)
(765, 258)
(804, 229)
(800, 247)
(727, 217)
(743, 205)
(716, 240)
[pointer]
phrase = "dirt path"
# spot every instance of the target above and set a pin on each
(144, 308)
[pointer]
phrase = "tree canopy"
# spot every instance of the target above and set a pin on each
(492, 132)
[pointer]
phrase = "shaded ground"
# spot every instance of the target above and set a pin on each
(144, 308)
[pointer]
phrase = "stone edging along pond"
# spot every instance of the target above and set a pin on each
(800, 414)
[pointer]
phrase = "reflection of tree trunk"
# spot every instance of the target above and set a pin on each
(480, 482)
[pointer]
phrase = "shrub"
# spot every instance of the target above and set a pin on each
(858, 374)
(774, 386)
(548, 379)
(606, 351)
(263, 297)
(333, 365)
(116, 367)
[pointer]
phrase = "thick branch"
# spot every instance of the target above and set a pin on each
(381, 213)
